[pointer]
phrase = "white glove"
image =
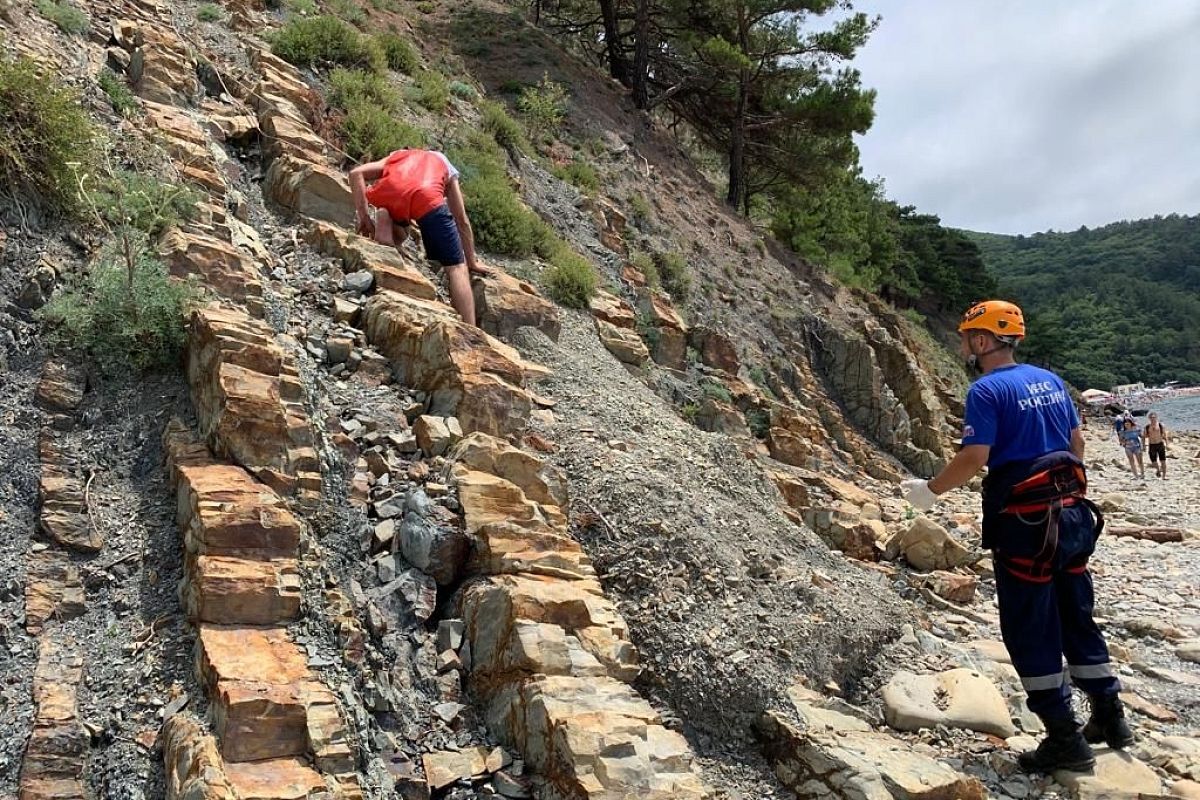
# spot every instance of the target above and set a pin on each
(918, 494)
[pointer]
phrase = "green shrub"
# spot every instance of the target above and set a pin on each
(209, 12)
(716, 391)
(639, 207)
(385, 5)
(544, 107)
(303, 7)
(44, 136)
(689, 411)
(349, 11)
(370, 132)
(130, 316)
(504, 129)
(118, 93)
(432, 91)
(501, 222)
(513, 86)
(581, 175)
(315, 41)
(464, 91)
(399, 52)
(644, 263)
(68, 18)
(571, 279)
(143, 202)
(758, 420)
(350, 87)
(673, 271)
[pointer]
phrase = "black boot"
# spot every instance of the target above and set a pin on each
(1063, 748)
(1107, 723)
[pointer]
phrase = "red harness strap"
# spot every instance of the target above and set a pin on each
(1047, 492)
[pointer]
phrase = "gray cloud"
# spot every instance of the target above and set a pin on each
(1026, 115)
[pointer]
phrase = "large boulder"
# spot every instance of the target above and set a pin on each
(667, 332)
(388, 269)
(958, 698)
(309, 189)
(623, 343)
(927, 546)
(836, 755)
(503, 304)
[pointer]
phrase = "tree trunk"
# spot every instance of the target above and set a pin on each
(618, 67)
(641, 54)
(737, 150)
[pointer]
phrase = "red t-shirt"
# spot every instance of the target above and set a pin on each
(412, 185)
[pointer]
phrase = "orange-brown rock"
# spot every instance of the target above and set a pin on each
(276, 779)
(52, 590)
(715, 349)
(261, 692)
(58, 744)
(161, 68)
(541, 482)
(668, 342)
(468, 374)
(843, 528)
(488, 499)
(63, 516)
(221, 266)
(241, 591)
(623, 343)
(247, 395)
(721, 417)
(612, 309)
(287, 135)
(504, 303)
(1153, 534)
(952, 586)
(194, 769)
(309, 189)
(232, 123)
(221, 508)
(595, 738)
(61, 388)
(278, 77)
(392, 271)
(579, 607)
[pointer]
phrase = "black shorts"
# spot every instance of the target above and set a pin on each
(1158, 452)
(439, 232)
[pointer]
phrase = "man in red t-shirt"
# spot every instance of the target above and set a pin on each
(420, 186)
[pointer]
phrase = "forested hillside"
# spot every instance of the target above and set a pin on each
(1116, 304)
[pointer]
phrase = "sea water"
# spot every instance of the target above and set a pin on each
(1178, 413)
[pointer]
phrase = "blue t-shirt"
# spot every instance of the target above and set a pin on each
(1131, 440)
(1021, 411)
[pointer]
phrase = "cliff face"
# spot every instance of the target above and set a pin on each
(606, 541)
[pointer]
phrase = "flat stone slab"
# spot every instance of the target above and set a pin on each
(958, 698)
(1116, 773)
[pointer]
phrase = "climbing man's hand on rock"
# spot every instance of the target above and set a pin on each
(918, 494)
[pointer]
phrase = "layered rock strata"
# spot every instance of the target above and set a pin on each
(248, 399)
(549, 654)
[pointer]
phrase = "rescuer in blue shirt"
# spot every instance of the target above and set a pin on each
(1020, 422)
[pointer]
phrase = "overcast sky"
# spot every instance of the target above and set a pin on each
(1016, 116)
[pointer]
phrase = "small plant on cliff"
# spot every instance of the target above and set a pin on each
(432, 91)
(579, 174)
(501, 222)
(119, 96)
(129, 315)
(399, 52)
(142, 202)
(716, 391)
(463, 91)
(673, 271)
(370, 129)
(643, 262)
(504, 129)
(46, 139)
(323, 40)
(758, 420)
(639, 208)
(68, 18)
(544, 107)
(209, 12)
(349, 11)
(571, 279)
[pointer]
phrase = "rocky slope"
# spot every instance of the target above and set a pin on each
(355, 548)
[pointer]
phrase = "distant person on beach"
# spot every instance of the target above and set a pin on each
(1131, 440)
(1155, 436)
(1042, 529)
(420, 186)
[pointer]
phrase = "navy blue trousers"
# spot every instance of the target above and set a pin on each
(1041, 622)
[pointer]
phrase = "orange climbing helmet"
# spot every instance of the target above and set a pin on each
(999, 317)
